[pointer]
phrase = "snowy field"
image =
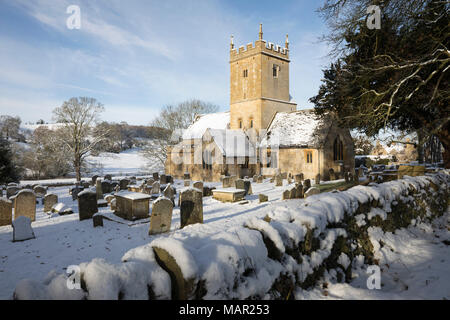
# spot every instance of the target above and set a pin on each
(415, 262)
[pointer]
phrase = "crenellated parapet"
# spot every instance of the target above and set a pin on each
(259, 46)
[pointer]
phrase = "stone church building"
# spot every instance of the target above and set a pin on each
(263, 133)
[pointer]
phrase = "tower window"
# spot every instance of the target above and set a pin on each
(245, 73)
(251, 123)
(275, 70)
(338, 149)
(240, 124)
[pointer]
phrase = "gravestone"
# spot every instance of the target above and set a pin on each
(25, 204)
(155, 176)
(244, 185)
(332, 174)
(317, 178)
(156, 188)
(123, 184)
(113, 204)
(187, 176)
(226, 182)
(94, 180)
(97, 220)
(286, 195)
(278, 180)
(198, 185)
(306, 185)
(85, 184)
(161, 217)
(239, 184)
(298, 178)
(169, 179)
(255, 178)
(98, 189)
(75, 191)
(187, 183)
(263, 198)
(22, 229)
(5, 212)
(191, 207)
(61, 209)
(108, 177)
(163, 179)
(292, 193)
(40, 191)
(260, 179)
(11, 191)
(298, 190)
(169, 192)
(207, 191)
(106, 186)
(87, 204)
(233, 181)
(49, 201)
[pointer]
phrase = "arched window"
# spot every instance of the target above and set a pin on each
(338, 149)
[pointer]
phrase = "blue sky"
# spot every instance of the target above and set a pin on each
(137, 56)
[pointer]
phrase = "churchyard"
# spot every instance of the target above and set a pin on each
(105, 217)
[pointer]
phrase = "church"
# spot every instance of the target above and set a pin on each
(263, 133)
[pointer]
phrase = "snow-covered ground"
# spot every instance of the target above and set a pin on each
(416, 267)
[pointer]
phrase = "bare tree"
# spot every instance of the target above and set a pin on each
(9, 126)
(78, 117)
(173, 120)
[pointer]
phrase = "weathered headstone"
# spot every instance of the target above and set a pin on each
(298, 190)
(97, 220)
(226, 182)
(106, 186)
(161, 217)
(94, 180)
(239, 184)
(108, 177)
(87, 204)
(50, 200)
(187, 183)
(191, 207)
(233, 181)
(306, 185)
(255, 178)
(123, 184)
(75, 191)
(187, 176)
(278, 180)
(263, 198)
(299, 178)
(169, 192)
(40, 191)
(260, 179)
(332, 174)
(207, 191)
(98, 189)
(113, 204)
(292, 193)
(286, 195)
(11, 191)
(312, 191)
(5, 212)
(169, 179)
(108, 198)
(25, 204)
(22, 229)
(198, 185)
(163, 179)
(156, 188)
(317, 178)
(155, 176)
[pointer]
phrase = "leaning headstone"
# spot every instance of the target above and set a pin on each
(40, 191)
(263, 198)
(198, 185)
(50, 200)
(98, 189)
(169, 193)
(156, 188)
(97, 220)
(306, 185)
(332, 174)
(312, 191)
(191, 207)
(5, 212)
(22, 229)
(161, 217)
(286, 195)
(87, 204)
(25, 204)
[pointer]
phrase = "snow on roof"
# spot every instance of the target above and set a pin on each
(232, 143)
(299, 128)
(219, 120)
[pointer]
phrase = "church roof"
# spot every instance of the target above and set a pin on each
(219, 120)
(232, 143)
(301, 129)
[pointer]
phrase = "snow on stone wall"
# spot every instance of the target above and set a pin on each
(266, 258)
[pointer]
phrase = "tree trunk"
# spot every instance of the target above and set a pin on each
(444, 137)
(77, 165)
(420, 142)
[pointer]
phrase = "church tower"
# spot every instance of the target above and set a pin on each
(259, 83)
